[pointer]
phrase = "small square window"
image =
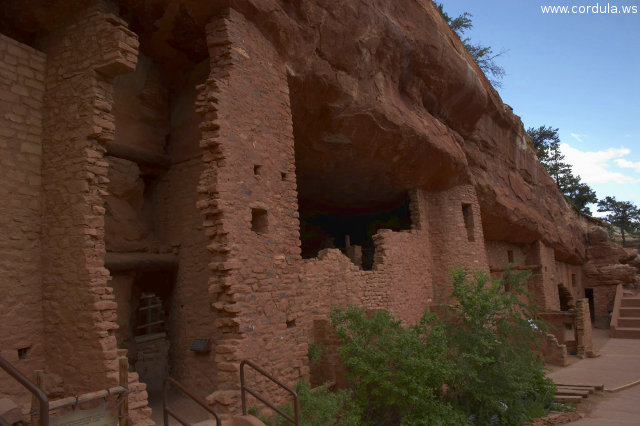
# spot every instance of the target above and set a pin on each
(283, 175)
(24, 352)
(257, 170)
(259, 221)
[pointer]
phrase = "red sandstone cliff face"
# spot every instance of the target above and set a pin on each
(327, 104)
(396, 81)
(387, 95)
(608, 263)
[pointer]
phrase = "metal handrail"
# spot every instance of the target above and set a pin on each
(166, 411)
(31, 387)
(244, 389)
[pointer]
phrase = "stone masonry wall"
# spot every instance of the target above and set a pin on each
(571, 277)
(249, 202)
(584, 329)
(399, 282)
(603, 298)
(141, 107)
(190, 315)
(455, 241)
(543, 285)
(498, 254)
(403, 273)
(21, 96)
(78, 305)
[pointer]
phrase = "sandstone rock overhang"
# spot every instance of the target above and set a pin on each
(228, 171)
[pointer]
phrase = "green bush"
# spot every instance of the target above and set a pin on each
(320, 407)
(396, 374)
(475, 362)
(480, 349)
(492, 335)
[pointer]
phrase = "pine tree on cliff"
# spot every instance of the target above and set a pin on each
(483, 55)
(623, 214)
(546, 142)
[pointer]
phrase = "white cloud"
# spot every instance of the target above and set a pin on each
(626, 164)
(578, 136)
(594, 166)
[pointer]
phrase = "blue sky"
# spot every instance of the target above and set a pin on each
(577, 72)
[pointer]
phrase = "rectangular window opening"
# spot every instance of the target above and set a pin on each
(257, 170)
(259, 221)
(510, 256)
(24, 352)
(467, 214)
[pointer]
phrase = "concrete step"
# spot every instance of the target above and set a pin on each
(629, 312)
(626, 332)
(630, 302)
(629, 322)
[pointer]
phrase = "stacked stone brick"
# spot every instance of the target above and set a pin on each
(21, 96)
(222, 202)
(80, 308)
(248, 151)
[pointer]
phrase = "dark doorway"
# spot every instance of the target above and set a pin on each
(588, 293)
(566, 301)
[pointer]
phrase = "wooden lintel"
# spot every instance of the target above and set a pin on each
(136, 261)
(138, 155)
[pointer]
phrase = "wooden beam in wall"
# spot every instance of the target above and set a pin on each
(137, 261)
(138, 155)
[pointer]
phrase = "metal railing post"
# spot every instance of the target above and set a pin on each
(166, 411)
(35, 390)
(244, 389)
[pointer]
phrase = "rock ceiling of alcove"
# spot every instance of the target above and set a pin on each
(170, 31)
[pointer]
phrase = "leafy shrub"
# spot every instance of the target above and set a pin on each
(473, 363)
(480, 349)
(320, 407)
(492, 336)
(396, 373)
(316, 352)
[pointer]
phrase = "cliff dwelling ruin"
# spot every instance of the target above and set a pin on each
(189, 183)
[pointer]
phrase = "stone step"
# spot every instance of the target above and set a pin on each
(629, 312)
(626, 332)
(630, 302)
(590, 389)
(580, 386)
(576, 392)
(568, 398)
(629, 322)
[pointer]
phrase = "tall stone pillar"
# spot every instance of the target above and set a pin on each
(79, 307)
(249, 204)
